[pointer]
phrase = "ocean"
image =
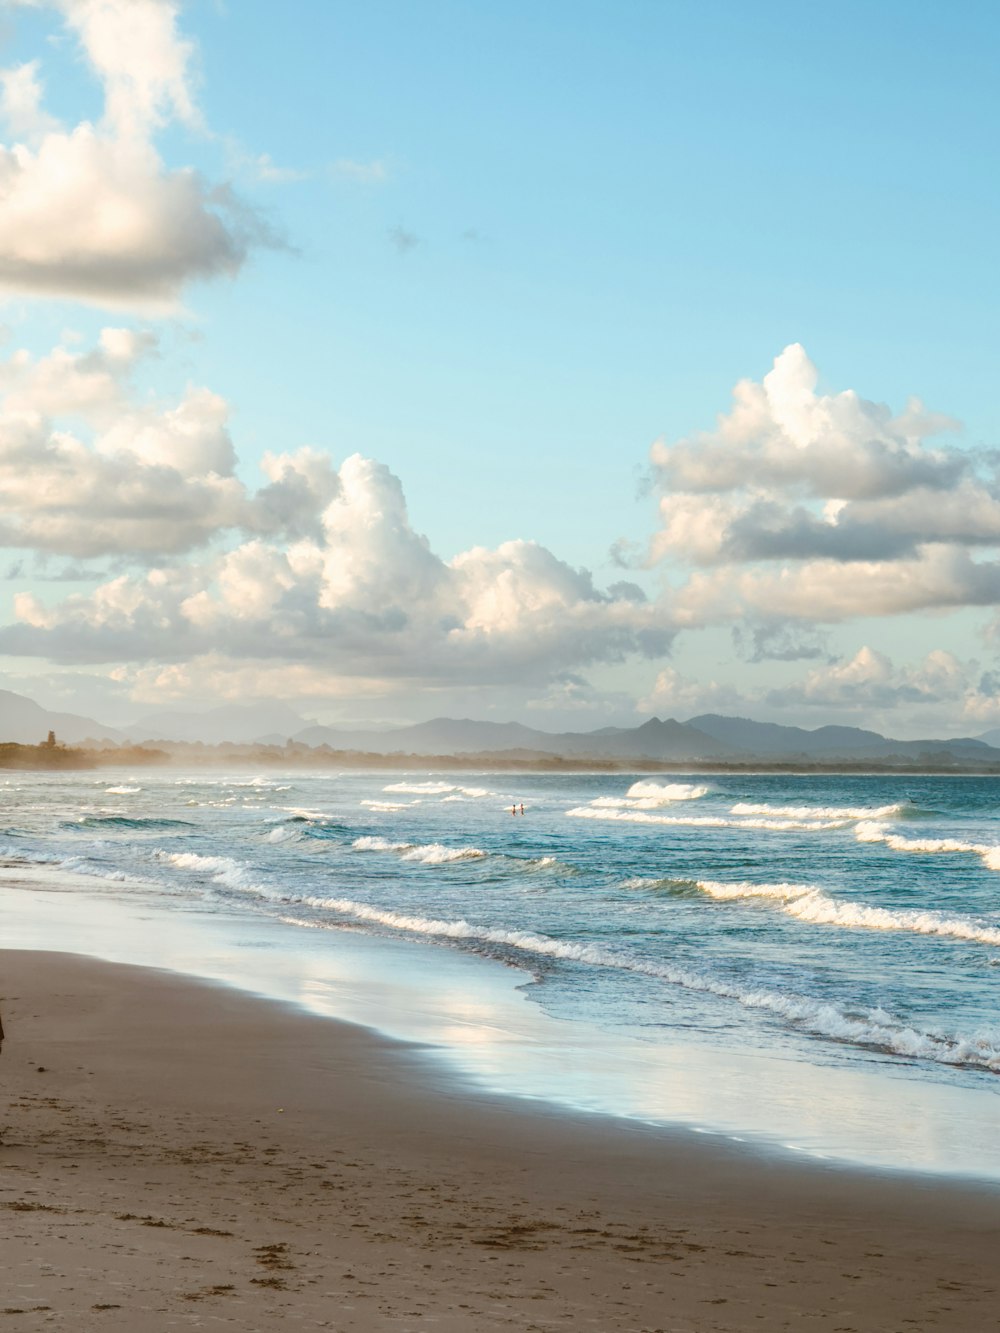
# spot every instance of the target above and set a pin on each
(810, 963)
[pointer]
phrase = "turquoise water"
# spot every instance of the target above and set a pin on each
(840, 926)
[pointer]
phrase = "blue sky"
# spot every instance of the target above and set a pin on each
(499, 251)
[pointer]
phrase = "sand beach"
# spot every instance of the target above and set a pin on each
(182, 1155)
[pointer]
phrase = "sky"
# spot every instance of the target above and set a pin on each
(568, 363)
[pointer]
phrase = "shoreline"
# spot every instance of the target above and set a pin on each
(174, 1148)
(472, 1017)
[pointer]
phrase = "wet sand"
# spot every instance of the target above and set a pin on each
(179, 1155)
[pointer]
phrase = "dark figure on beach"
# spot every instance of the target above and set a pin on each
(513, 809)
(522, 807)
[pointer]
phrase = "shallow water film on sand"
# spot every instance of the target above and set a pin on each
(814, 938)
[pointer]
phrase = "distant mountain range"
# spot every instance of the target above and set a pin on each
(26, 722)
(709, 736)
(237, 724)
(706, 737)
(446, 735)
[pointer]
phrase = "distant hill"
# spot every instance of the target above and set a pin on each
(27, 723)
(709, 736)
(237, 724)
(773, 741)
(703, 739)
(445, 735)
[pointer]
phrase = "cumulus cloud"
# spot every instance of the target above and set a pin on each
(90, 211)
(676, 695)
(867, 686)
(822, 507)
(88, 471)
(366, 597)
(870, 682)
(783, 432)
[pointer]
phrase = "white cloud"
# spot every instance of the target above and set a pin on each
(90, 211)
(935, 694)
(367, 597)
(675, 695)
(829, 591)
(87, 471)
(215, 677)
(21, 103)
(782, 432)
(871, 681)
(824, 507)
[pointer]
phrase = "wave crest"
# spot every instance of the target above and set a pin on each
(657, 793)
(872, 1028)
(807, 903)
(430, 853)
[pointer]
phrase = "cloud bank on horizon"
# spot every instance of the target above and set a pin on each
(800, 510)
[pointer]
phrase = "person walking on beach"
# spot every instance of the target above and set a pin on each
(522, 807)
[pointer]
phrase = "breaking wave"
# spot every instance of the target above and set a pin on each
(431, 853)
(837, 812)
(665, 793)
(857, 1025)
(439, 789)
(125, 822)
(220, 869)
(872, 831)
(435, 853)
(609, 807)
(807, 903)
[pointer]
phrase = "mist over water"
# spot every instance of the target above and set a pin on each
(842, 923)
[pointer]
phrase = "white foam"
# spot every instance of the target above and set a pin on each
(807, 903)
(439, 789)
(435, 854)
(871, 831)
(389, 805)
(741, 889)
(838, 812)
(855, 1024)
(220, 869)
(77, 865)
(430, 788)
(818, 908)
(639, 816)
(121, 791)
(431, 853)
(666, 793)
(374, 844)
